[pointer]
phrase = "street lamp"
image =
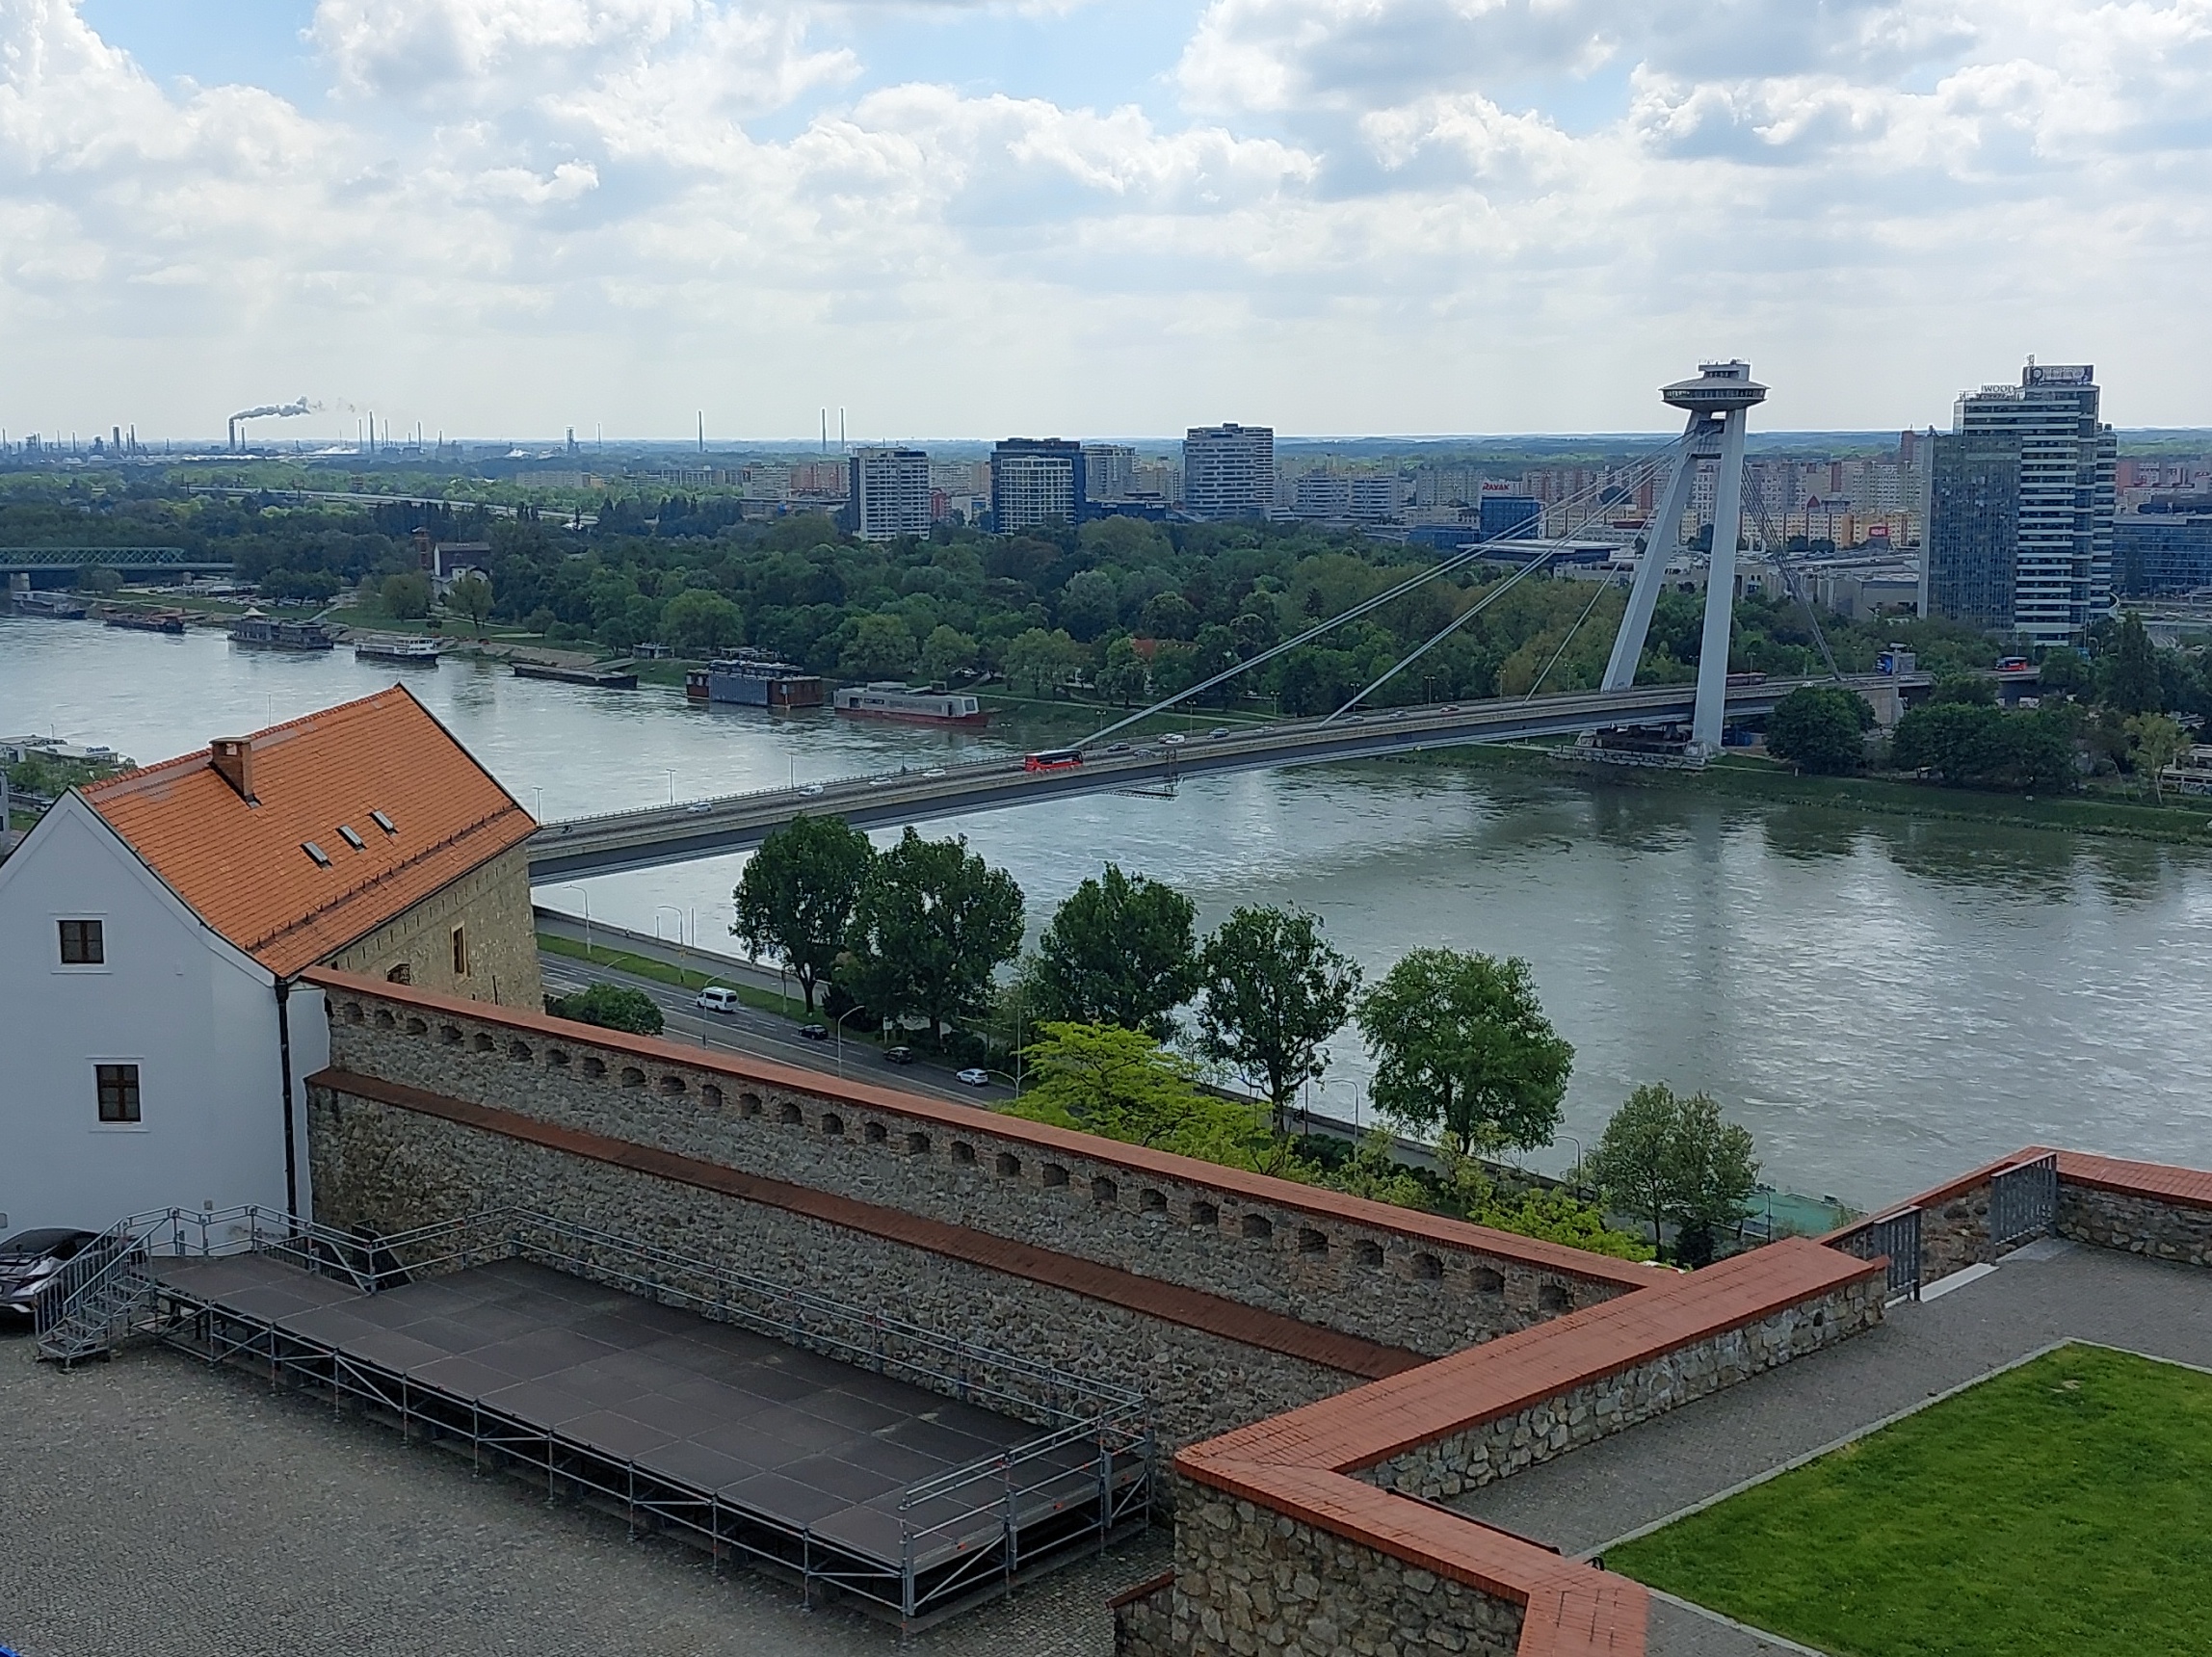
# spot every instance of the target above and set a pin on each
(586, 897)
(538, 803)
(670, 774)
(841, 1018)
(674, 910)
(1575, 1180)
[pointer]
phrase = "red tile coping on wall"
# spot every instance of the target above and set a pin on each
(2181, 1187)
(1299, 1463)
(2159, 1182)
(1504, 1376)
(1193, 1308)
(1415, 1226)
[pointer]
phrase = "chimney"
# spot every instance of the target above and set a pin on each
(232, 757)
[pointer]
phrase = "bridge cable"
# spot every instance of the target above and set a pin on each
(1791, 579)
(1472, 553)
(1452, 627)
(1565, 642)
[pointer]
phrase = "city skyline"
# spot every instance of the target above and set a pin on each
(1405, 217)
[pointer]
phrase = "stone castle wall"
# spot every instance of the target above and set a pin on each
(2138, 1223)
(491, 906)
(1497, 1449)
(1422, 1286)
(392, 1169)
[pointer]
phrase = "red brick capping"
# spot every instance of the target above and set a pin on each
(2156, 1182)
(1283, 1194)
(1139, 1590)
(1171, 1303)
(1299, 1463)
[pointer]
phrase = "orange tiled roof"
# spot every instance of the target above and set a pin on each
(242, 867)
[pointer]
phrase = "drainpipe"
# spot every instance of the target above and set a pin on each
(284, 1051)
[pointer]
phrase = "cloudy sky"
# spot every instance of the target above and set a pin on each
(1092, 217)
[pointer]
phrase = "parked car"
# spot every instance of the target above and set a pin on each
(814, 1031)
(898, 1055)
(972, 1077)
(715, 998)
(29, 1259)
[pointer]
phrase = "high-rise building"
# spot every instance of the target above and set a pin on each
(887, 493)
(1228, 471)
(1109, 471)
(2021, 505)
(1503, 516)
(1035, 480)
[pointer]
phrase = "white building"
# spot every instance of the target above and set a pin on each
(889, 493)
(1228, 471)
(1109, 471)
(153, 927)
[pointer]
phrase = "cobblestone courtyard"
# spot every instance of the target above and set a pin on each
(153, 1508)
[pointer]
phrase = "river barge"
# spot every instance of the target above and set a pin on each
(267, 633)
(599, 678)
(754, 679)
(404, 653)
(892, 700)
(144, 621)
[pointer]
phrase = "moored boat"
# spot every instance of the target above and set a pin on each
(406, 652)
(267, 633)
(891, 701)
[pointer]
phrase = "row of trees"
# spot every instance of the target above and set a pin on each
(1463, 1053)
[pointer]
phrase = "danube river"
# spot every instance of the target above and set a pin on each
(1881, 1001)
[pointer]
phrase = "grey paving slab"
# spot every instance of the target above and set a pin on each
(1634, 1479)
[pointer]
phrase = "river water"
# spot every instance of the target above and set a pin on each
(1882, 1001)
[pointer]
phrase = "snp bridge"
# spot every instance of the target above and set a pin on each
(711, 828)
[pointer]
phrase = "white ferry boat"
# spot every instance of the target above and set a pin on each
(892, 700)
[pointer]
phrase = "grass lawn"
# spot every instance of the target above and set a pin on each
(2063, 1506)
(663, 972)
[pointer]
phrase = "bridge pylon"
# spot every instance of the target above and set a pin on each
(1717, 403)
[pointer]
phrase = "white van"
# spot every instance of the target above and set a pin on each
(714, 998)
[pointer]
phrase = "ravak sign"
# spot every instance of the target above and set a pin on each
(2063, 373)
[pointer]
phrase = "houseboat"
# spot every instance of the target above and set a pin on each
(146, 620)
(404, 653)
(267, 633)
(599, 678)
(892, 700)
(754, 679)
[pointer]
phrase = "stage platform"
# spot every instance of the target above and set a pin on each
(742, 1442)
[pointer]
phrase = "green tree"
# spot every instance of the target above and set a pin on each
(1123, 677)
(2154, 743)
(1088, 605)
(2129, 675)
(1118, 951)
(796, 896)
(946, 652)
(932, 924)
(1463, 1049)
(699, 623)
(1820, 728)
(1110, 1080)
(881, 648)
(98, 579)
(2063, 673)
(1674, 1161)
(1273, 991)
(1974, 746)
(611, 1007)
(1039, 663)
(405, 595)
(472, 596)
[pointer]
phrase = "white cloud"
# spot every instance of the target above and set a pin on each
(1443, 200)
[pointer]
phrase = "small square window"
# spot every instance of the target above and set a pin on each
(461, 951)
(83, 943)
(118, 1092)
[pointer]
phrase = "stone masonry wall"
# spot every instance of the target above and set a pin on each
(1497, 1449)
(491, 904)
(1419, 1292)
(1249, 1581)
(393, 1169)
(1144, 1620)
(2138, 1224)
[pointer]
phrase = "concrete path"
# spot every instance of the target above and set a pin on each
(2045, 1293)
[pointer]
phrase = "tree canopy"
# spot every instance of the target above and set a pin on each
(1673, 1161)
(796, 897)
(1820, 728)
(1121, 1082)
(1463, 1049)
(611, 1007)
(930, 925)
(1273, 991)
(1120, 951)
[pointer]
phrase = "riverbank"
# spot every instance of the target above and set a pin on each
(1744, 777)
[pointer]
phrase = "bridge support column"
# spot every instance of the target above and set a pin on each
(1660, 540)
(1719, 588)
